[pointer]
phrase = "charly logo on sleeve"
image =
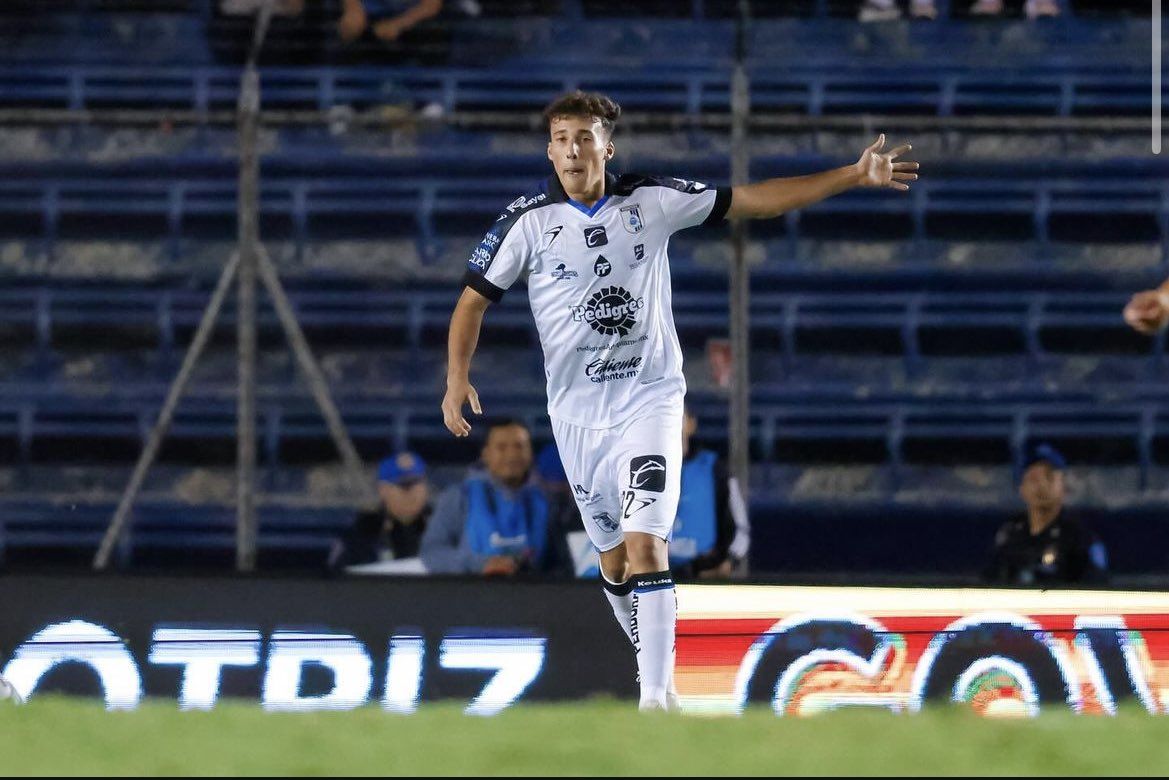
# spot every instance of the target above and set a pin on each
(595, 235)
(609, 311)
(602, 267)
(550, 235)
(631, 218)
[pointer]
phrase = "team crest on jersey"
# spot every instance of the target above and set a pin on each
(631, 218)
(602, 267)
(595, 235)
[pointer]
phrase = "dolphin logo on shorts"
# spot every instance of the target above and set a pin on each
(648, 472)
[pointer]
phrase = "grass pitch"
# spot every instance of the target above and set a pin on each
(53, 736)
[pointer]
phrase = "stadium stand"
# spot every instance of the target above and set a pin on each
(906, 348)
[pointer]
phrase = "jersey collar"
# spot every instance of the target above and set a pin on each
(557, 194)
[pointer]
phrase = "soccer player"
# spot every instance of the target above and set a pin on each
(592, 248)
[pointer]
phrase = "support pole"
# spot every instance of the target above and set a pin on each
(154, 441)
(247, 262)
(315, 379)
(740, 276)
(249, 243)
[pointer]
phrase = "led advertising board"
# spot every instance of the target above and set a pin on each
(305, 645)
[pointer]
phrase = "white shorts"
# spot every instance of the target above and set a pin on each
(626, 478)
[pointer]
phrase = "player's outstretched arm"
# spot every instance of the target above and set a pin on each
(773, 197)
(1148, 311)
(461, 342)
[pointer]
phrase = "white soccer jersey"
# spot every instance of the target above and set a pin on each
(599, 287)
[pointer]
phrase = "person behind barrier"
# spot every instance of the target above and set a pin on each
(711, 534)
(494, 522)
(888, 10)
(1048, 545)
(391, 19)
(395, 530)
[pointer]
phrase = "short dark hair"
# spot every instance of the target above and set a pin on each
(503, 422)
(593, 105)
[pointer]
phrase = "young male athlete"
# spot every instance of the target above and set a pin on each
(592, 249)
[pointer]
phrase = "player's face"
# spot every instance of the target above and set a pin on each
(578, 150)
(1042, 486)
(508, 454)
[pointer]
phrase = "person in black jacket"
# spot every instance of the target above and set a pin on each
(395, 531)
(1048, 545)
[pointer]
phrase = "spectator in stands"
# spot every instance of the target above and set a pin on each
(247, 7)
(886, 10)
(494, 522)
(1047, 545)
(392, 18)
(711, 534)
(395, 530)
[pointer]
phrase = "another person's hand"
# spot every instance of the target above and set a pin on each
(353, 21)
(877, 169)
(1148, 311)
(457, 394)
(500, 565)
(388, 29)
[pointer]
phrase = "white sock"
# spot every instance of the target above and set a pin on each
(653, 614)
(620, 595)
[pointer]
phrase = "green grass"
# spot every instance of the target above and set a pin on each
(70, 737)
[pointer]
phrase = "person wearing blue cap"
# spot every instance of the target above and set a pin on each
(395, 530)
(1048, 545)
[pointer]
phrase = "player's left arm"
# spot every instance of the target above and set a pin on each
(773, 197)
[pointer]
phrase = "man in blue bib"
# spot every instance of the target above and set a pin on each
(494, 522)
(711, 534)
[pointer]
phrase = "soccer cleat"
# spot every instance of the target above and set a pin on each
(653, 705)
(8, 691)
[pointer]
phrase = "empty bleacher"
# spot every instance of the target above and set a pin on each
(906, 347)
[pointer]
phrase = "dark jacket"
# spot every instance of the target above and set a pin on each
(377, 536)
(1062, 553)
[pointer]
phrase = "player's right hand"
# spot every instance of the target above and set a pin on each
(457, 394)
(1148, 311)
